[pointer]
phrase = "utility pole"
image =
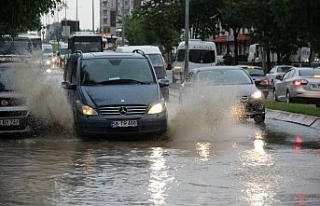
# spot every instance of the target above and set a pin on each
(77, 23)
(186, 41)
(92, 15)
(123, 23)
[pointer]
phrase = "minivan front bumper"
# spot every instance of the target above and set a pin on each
(101, 125)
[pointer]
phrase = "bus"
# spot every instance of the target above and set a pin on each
(28, 43)
(86, 42)
(201, 53)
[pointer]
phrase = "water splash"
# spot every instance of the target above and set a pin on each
(205, 112)
(46, 99)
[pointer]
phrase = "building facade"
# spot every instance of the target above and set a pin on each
(111, 13)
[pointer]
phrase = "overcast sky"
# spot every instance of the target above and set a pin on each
(84, 13)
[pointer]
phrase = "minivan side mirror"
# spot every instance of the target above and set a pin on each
(68, 85)
(164, 82)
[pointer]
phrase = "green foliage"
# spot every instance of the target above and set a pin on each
(294, 108)
(23, 15)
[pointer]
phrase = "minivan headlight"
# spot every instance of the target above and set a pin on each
(87, 110)
(157, 108)
(256, 95)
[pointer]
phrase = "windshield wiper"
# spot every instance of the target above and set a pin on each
(122, 81)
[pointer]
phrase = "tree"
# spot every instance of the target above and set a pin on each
(22, 15)
(233, 15)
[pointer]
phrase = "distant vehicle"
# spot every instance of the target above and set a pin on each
(298, 85)
(85, 42)
(226, 79)
(259, 77)
(275, 71)
(157, 60)
(36, 43)
(61, 55)
(201, 54)
(114, 93)
(48, 57)
(255, 55)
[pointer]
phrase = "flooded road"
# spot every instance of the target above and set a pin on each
(249, 165)
(220, 163)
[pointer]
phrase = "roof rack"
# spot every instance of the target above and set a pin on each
(139, 51)
(78, 52)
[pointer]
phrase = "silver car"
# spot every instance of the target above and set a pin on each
(226, 85)
(275, 71)
(298, 85)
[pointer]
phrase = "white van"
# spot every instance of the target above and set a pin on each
(201, 54)
(255, 56)
(157, 60)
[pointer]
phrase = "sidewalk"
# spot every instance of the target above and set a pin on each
(309, 121)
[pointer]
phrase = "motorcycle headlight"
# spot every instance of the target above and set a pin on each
(48, 62)
(157, 108)
(87, 110)
(256, 95)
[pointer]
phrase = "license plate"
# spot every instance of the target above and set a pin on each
(124, 123)
(9, 122)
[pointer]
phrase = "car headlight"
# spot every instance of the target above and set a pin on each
(157, 108)
(87, 110)
(256, 95)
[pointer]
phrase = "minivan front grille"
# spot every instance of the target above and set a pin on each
(123, 110)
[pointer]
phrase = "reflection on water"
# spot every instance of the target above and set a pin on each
(261, 186)
(203, 150)
(158, 176)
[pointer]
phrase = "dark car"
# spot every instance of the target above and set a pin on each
(259, 77)
(219, 81)
(115, 94)
(15, 117)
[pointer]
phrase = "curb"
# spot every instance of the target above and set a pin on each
(305, 120)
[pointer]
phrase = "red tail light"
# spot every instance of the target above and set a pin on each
(265, 81)
(299, 82)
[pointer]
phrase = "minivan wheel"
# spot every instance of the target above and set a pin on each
(259, 118)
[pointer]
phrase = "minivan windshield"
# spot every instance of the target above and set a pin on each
(224, 77)
(95, 71)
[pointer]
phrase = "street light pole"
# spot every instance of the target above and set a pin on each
(92, 15)
(77, 23)
(123, 23)
(186, 40)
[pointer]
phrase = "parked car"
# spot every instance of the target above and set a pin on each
(15, 116)
(298, 85)
(115, 94)
(259, 77)
(275, 71)
(226, 79)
